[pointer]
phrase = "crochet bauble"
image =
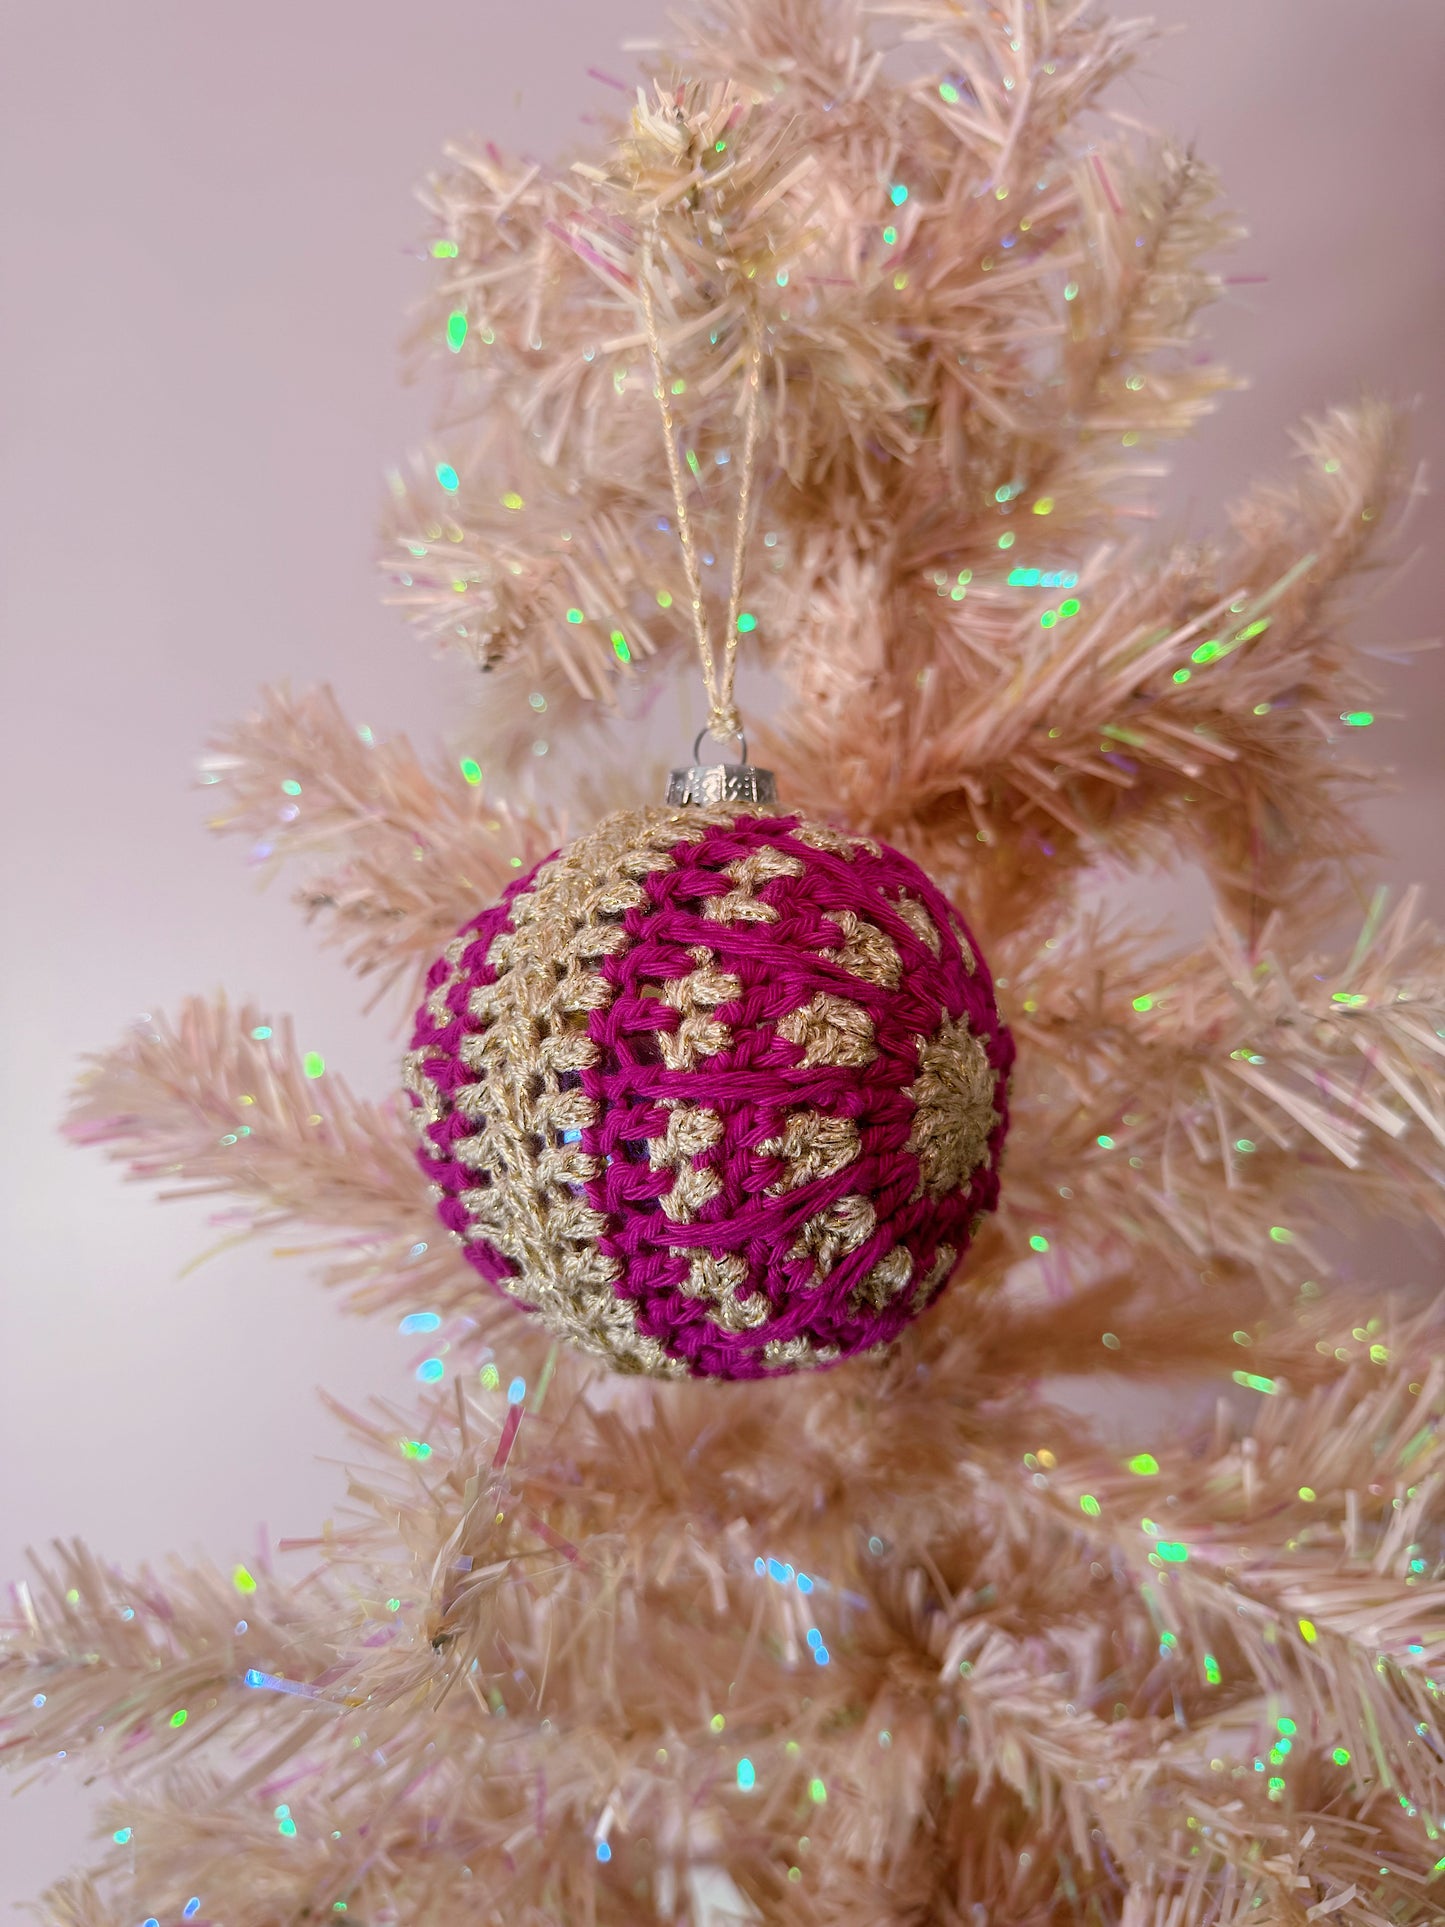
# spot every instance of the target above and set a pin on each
(717, 1092)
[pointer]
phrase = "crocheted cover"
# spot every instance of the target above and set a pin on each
(718, 1092)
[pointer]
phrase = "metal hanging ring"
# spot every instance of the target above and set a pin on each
(713, 783)
(705, 734)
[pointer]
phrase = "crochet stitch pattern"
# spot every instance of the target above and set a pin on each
(717, 1093)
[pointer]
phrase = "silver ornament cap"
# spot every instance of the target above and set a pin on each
(708, 783)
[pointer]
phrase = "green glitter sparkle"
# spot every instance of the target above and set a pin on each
(1253, 1382)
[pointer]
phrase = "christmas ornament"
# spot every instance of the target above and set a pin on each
(716, 1090)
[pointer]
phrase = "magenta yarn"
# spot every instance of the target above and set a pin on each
(788, 1107)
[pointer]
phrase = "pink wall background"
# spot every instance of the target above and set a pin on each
(209, 248)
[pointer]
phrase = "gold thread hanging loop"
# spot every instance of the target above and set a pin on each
(723, 718)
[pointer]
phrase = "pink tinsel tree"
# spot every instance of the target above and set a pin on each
(912, 1640)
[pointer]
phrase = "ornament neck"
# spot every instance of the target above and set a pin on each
(708, 783)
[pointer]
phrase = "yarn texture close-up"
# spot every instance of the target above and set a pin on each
(714, 1092)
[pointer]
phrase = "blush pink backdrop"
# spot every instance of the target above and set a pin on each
(209, 249)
